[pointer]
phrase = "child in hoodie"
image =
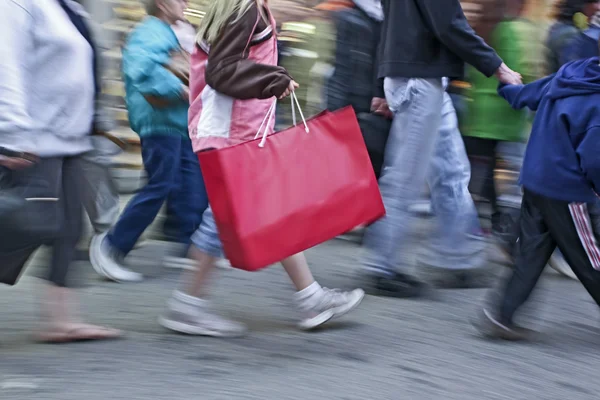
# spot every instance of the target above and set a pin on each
(560, 177)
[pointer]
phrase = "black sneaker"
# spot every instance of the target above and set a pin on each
(491, 327)
(398, 285)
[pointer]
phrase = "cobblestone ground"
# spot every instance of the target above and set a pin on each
(389, 349)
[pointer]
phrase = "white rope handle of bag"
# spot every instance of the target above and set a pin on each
(269, 116)
(295, 99)
(265, 123)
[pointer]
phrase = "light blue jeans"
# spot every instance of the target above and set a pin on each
(425, 146)
(206, 238)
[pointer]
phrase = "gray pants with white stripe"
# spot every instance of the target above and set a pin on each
(546, 224)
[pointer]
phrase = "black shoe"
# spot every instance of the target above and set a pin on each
(491, 327)
(398, 285)
(473, 280)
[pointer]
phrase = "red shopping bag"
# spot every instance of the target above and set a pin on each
(298, 190)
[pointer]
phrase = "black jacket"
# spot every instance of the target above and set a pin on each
(431, 39)
(355, 56)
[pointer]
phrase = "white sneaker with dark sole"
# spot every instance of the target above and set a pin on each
(198, 320)
(329, 304)
(107, 262)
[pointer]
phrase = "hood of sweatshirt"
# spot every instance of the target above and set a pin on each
(579, 78)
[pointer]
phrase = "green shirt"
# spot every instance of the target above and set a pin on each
(489, 116)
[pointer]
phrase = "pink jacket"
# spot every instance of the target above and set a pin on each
(233, 84)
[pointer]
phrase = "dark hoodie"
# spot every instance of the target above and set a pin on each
(562, 160)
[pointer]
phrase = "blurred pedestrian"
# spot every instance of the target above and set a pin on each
(490, 121)
(585, 43)
(100, 193)
(234, 81)
(424, 42)
(49, 83)
(156, 77)
(565, 28)
(358, 30)
(561, 177)
(186, 34)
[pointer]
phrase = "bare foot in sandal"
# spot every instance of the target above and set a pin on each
(77, 332)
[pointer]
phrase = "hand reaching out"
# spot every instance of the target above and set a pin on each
(508, 76)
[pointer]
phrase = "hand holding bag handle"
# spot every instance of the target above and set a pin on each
(271, 112)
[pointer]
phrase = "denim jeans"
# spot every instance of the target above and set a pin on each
(174, 176)
(206, 238)
(425, 146)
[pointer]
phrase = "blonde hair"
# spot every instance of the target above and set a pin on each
(221, 11)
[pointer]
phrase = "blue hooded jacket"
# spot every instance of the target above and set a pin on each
(584, 45)
(146, 52)
(562, 160)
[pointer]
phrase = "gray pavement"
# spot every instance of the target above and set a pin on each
(389, 349)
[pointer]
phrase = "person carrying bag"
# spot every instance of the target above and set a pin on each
(234, 80)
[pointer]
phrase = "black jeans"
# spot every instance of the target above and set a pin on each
(62, 178)
(544, 225)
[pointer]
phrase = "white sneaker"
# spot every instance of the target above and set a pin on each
(321, 304)
(107, 261)
(176, 257)
(184, 263)
(192, 316)
(223, 264)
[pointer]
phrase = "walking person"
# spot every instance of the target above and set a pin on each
(585, 43)
(358, 29)
(561, 180)
(234, 80)
(52, 118)
(423, 43)
(157, 96)
(565, 29)
(489, 121)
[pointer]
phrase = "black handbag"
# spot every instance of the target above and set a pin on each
(29, 218)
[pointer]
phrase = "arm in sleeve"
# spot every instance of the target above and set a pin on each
(15, 121)
(530, 95)
(229, 71)
(144, 67)
(449, 24)
(588, 151)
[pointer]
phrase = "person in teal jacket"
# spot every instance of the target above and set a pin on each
(156, 73)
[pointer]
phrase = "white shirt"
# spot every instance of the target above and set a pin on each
(46, 79)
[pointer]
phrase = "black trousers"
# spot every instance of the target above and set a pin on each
(62, 178)
(546, 224)
(483, 156)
